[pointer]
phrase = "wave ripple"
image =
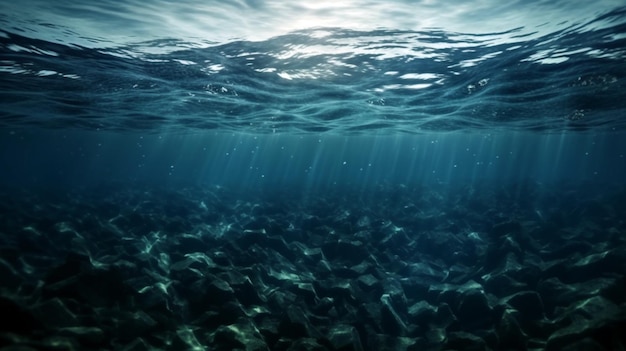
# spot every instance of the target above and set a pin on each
(325, 80)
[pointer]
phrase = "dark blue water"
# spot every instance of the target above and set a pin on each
(314, 106)
(430, 151)
(71, 158)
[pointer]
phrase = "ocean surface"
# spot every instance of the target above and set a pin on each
(327, 175)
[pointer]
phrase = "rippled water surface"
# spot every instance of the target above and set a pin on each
(296, 67)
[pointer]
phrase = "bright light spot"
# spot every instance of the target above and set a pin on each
(44, 73)
(266, 70)
(419, 76)
(185, 62)
(284, 75)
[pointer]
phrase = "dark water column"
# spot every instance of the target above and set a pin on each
(78, 158)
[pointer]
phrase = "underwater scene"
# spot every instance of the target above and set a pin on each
(312, 175)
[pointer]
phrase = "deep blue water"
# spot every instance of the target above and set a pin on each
(70, 158)
(217, 98)
(459, 142)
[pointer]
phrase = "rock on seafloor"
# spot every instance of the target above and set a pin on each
(205, 269)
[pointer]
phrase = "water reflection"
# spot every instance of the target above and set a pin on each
(113, 23)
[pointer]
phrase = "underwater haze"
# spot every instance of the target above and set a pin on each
(327, 175)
